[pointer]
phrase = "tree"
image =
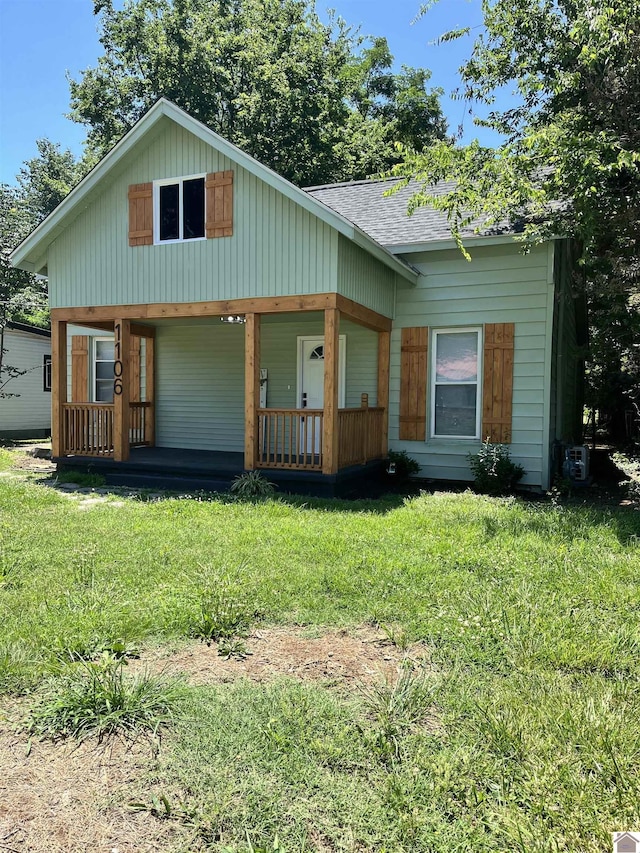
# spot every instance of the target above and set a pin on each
(266, 74)
(20, 293)
(43, 182)
(569, 164)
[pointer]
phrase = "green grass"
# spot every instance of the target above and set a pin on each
(529, 611)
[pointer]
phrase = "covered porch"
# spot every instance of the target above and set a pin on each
(325, 439)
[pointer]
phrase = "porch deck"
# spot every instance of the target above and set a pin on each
(212, 470)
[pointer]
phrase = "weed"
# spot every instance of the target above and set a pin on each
(233, 647)
(252, 485)
(493, 471)
(96, 698)
(397, 706)
(396, 635)
(222, 615)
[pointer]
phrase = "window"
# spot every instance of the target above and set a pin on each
(179, 209)
(46, 373)
(103, 359)
(455, 391)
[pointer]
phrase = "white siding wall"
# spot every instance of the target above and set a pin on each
(31, 410)
(499, 285)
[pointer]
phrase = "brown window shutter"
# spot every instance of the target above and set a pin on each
(497, 394)
(80, 368)
(134, 369)
(413, 383)
(219, 204)
(141, 215)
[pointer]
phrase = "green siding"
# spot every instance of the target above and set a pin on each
(499, 285)
(280, 349)
(365, 279)
(277, 248)
(200, 385)
(200, 375)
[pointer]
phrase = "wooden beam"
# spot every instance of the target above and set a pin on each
(58, 385)
(163, 310)
(384, 358)
(121, 414)
(150, 389)
(331, 361)
(136, 328)
(251, 389)
(362, 315)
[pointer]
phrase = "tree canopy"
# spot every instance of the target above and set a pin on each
(570, 158)
(314, 101)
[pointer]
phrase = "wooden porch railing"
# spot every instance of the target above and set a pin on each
(290, 438)
(360, 433)
(88, 428)
(138, 423)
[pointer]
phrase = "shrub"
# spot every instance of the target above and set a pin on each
(406, 466)
(251, 485)
(493, 471)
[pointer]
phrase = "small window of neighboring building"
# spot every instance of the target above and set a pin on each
(179, 209)
(46, 373)
(103, 359)
(455, 383)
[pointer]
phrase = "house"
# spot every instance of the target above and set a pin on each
(25, 398)
(625, 842)
(208, 315)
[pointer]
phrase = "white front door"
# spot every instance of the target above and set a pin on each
(311, 385)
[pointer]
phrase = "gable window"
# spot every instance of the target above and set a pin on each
(46, 373)
(180, 213)
(455, 378)
(103, 360)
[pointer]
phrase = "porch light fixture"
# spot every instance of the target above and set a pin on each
(234, 318)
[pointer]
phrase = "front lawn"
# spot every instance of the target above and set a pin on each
(520, 622)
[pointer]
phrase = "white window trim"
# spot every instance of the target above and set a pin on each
(94, 359)
(477, 383)
(165, 182)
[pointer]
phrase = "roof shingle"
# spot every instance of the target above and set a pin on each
(385, 217)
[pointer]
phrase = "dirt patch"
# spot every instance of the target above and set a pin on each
(69, 798)
(32, 465)
(340, 658)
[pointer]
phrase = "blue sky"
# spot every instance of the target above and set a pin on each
(43, 41)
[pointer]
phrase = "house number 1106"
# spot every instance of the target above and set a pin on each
(117, 364)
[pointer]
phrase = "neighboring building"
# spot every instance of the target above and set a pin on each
(349, 327)
(25, 401)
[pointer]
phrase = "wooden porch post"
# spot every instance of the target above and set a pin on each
(150, 390)
(58, 385)
(251, 389)
(384, 357)
(330, 459)
(121, 389)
